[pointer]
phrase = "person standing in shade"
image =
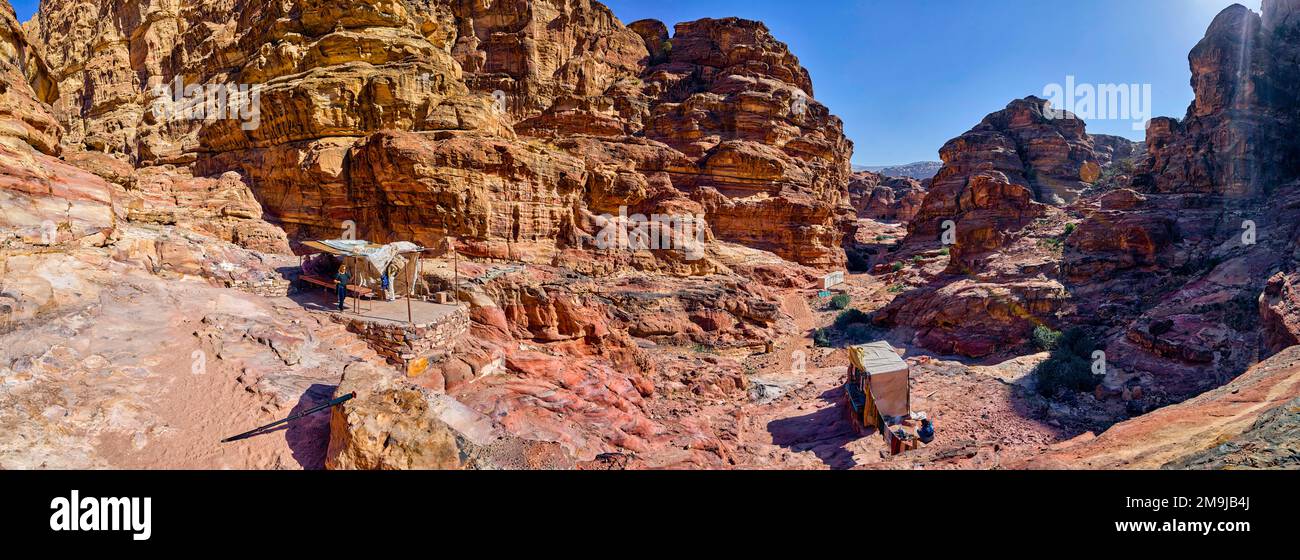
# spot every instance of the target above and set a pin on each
(341, 280)
(386, 282)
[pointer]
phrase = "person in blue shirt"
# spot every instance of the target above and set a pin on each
(386, 282)
(341, 279)
(926, 433)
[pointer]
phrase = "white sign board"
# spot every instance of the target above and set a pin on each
(833, 279)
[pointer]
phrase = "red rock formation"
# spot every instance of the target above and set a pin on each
(1178, 269)
(1233, 140)
(1111, 149)
(877, 197)
(713, 108)
(43, 201)
(736, 100)
(1280, 312)
(25, 89)
(999, 177)
(997, 192)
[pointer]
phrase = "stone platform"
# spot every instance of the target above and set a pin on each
(409, 341)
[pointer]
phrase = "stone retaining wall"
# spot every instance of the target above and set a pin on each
(412, 348)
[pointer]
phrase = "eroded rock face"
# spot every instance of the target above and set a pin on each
(388, 426)
(222, 207)
(551, 56)
(877, 197)
(1000, 177)
(43, 201)
(972, 318)
(1110, 149)
(25, 89)
(1233, 140)
(1280, 312)
(1176, 266)
(997, 200)
(736, 100)
(720, 116)
(1046, 153)
(508, 200)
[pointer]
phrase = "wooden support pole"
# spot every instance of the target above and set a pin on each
(356, 297)
(410, 318)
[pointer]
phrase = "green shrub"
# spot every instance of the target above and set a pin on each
(1077, 342)
(1242, 312)
(849, 317)
(1068, 373)
(841, 301)
(897, 289)
(821, 338)
(1069, 369)
(1069, 229)
(897, 266)
(859, 333)
(945, 251)
(1045, 338)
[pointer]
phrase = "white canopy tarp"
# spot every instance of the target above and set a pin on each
(379, 257)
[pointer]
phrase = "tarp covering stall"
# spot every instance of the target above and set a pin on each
(887, 377)
(368, 261)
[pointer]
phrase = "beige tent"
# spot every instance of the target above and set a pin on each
(886, 378)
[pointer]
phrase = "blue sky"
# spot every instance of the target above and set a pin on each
(908, 75)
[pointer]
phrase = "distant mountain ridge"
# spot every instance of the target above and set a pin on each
(917, 170)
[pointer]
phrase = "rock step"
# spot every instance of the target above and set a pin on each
(338, 340)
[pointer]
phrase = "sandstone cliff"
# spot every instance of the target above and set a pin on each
(717, 119)
(1166, 254)
(999, 200)
(1178, 266)
(880, 197)
(42, 199)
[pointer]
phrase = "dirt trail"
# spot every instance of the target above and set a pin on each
(796, 304)
(244, 387)
(805, 428)
(793, 350)
(808, 427)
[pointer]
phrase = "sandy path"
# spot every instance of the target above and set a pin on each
(192, 412)
(114, 385)
(198, 411)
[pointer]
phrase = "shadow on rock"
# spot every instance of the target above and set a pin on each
(825, 432)
(309, 437)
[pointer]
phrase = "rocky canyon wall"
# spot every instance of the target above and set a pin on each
(1180, 263)
(537, 117)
